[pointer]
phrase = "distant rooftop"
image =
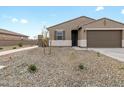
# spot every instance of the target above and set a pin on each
(4, 31)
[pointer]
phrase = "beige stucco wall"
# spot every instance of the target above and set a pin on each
(104, 23)
(123, 38)
(82, 34)
(68, 27)
(123, 35)
(11, 37)
(82, 38)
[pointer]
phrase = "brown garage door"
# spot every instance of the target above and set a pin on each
(104, 38)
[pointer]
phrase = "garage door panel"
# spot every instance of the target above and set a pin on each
(104, 38)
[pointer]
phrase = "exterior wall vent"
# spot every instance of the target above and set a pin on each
(104, 22)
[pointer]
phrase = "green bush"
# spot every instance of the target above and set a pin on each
(32, 68)
(98, 54)
(20, 44)
(14, 47)
(81, 66)
(122, 68)
(1, 48)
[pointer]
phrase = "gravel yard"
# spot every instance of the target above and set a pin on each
(61, 69)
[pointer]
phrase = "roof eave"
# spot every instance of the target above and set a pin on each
(69, 21)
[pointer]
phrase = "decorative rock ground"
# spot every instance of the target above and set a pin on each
(60, 69)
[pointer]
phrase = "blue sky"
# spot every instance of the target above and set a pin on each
(30, 20)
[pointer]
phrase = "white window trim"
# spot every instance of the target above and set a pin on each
(59, 30)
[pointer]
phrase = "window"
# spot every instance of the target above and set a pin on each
(59, 35)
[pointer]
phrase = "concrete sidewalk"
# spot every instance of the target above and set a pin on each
(16, 50)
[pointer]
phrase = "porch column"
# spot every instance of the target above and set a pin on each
(82, 41)
(123, 38)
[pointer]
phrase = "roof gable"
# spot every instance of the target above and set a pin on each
(73, 20)
(3, 31)
(104, 23)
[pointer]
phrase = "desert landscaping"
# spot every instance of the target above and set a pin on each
(64, 67)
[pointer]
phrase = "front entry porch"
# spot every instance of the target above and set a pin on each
(74, 37)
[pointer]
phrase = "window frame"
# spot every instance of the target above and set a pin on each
(59, 34)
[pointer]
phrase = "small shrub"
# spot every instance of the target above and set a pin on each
(81, 66)
(10, 57)
(20, 44)
(14, 47)
(72, 56)
(121, 67)
(98, 54)
(32, 68)
(1, 48)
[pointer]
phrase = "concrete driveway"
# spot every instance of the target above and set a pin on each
(116, 53)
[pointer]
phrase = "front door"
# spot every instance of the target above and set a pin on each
(74, 37)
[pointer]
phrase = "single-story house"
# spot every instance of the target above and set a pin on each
(88, 32)
(9, 35)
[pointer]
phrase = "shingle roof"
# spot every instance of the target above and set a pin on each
(3, 31)
(71, 20)
(104, 18)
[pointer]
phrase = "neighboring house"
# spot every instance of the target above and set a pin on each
(9, 35)
(88, 32)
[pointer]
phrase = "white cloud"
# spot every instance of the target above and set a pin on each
(99, 8)
(23, 21)
(14, 20)
(122, 11)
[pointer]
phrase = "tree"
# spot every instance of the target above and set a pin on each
(45, 41)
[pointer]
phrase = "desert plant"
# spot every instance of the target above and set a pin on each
(122, 68)
(72, 56)
(14, 47)
(45, 40)
(10, 58)
(49, 45)
(98, 54)
(32, 68)
(81, 66)
(1, 48)
(20, 44)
